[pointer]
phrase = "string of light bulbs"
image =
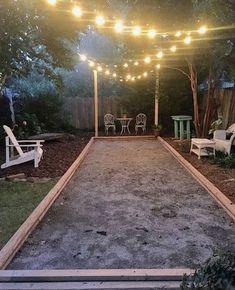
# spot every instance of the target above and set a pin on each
(119, 26)
(106, 71)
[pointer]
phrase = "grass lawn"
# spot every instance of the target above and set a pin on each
(17, 201)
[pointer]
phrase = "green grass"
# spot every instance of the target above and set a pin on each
(17, 201)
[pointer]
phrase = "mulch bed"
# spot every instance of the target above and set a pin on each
(222, 178)
(57, 158)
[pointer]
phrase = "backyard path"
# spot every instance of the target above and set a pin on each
(130, 205)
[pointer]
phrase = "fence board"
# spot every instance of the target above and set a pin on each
(81, 110)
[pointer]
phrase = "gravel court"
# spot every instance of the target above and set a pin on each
(129, 205)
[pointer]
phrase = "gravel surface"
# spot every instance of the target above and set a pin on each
(130, 205)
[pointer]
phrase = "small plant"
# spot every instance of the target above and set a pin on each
(223, 160)
(216, 125)
(218, 273)
(157, 127)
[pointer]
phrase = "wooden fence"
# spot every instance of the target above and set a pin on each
(80, 111)
(226, 108)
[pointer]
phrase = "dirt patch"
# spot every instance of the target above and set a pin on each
(223, 178)
(130, 205)
(57, 158)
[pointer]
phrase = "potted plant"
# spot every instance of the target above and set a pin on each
(157, 129)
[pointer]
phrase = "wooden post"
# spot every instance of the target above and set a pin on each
(96, 103)
(156, 97)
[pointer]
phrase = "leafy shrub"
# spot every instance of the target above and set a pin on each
(223, 160)
(218, 273)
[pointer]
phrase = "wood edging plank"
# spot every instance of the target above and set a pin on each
(120, 137)
(132, 285)
(94, 275)
(218, 195)
(17, 240)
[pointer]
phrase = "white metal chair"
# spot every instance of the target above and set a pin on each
(223, 144)
(109, 123)
(140, 122)
(30, 154)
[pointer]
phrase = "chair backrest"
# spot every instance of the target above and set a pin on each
(231, 128)
(13, 139)
(109, 119)
(141, 119)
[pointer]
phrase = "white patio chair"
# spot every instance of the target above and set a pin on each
(22, 156)
(109, 123)
(223, 144)
(140, 122)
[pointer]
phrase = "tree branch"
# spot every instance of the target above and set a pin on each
(180, 70)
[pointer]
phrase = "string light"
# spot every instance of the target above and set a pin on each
(145, 74)
(173, 48)
(178, 33)
(100, 20)
(91, 63)
(125, 65)
(128, 77)
(52, 2)
(159, 54)
(136, 31)
(114, 75)
(83, 57)
(187, 40)
(147, 59)
(152, 33)
(136, 63)
(77, 11)
(133, 79)
(118, 27)
(202, 29)
(158, 66)
(99, 68)
(107, 72)
(139, 77)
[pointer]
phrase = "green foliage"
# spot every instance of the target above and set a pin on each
(216, 125)
(223, 160)
(218, 273)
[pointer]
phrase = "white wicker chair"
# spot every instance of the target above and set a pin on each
(221, 143)
(140, 122)
(109, 123)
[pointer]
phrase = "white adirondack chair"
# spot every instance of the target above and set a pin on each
(221, 143)
(33, 150)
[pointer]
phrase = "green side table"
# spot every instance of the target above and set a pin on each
(182, 126)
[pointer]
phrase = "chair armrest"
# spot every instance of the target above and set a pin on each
(219, 134)
(29, 145)
(232, 138)
(30, 141)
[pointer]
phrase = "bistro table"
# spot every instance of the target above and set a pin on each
(125, 122)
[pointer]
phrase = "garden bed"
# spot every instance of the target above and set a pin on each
(57, 157)
(223, 178)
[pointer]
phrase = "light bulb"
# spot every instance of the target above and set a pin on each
(178, 33)
(173, 48)
(136, 63)
(118, 27)
(83, 57)
(159, 54)
(187, 40)
(77, 11)
(136, 31)
(158, 66)
(91, 63)
(100, 20)
(147, 59)
(202, 29)
(125, 65)
(99, 68)
(152, 33)
(52, 2)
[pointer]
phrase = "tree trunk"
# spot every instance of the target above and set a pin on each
(210, 110)
(193, 82)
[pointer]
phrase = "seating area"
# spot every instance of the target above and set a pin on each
(225, 139)
(110, 122)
